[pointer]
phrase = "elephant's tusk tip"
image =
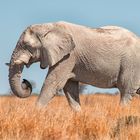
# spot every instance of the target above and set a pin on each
(7, 64)
(18, 62)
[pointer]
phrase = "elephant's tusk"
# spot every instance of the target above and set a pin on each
(7, 64)
(18, 62)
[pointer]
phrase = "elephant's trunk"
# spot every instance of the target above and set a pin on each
(15, 71)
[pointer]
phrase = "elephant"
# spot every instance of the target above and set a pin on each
(106, 57)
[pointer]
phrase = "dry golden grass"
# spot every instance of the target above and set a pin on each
(101, 118)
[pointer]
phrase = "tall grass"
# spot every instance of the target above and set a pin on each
(101, 118)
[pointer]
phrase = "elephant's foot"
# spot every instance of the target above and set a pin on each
(76, 107)
(71, 91)
(44, 99)
(39, 105)
(125, 99)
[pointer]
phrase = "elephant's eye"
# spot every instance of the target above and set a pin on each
(28, 47)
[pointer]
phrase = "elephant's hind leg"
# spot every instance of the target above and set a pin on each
(71, 90)
(128, 84)
(126, 97)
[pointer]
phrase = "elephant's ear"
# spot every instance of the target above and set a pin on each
(56, 45)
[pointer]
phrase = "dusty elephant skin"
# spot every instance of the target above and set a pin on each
(104, 57)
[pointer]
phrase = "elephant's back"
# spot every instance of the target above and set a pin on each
(107, 34)
(107, 38)
(115, 30)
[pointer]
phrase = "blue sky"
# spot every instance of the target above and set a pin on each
(16, 15)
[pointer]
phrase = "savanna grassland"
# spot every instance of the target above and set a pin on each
(101, 118)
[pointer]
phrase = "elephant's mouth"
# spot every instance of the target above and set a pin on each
(31, 62)
(27, 65)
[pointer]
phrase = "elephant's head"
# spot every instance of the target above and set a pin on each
(37, 44)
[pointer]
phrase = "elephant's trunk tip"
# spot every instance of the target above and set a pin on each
(26, 85)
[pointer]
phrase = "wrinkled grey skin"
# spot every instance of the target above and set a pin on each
(105, 57)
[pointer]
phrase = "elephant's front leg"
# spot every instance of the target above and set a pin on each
(56, 80)
(71, 90)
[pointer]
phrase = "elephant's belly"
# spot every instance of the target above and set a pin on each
(98, 81)
(103, 79)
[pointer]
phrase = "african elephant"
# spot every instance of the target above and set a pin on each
(105, 57)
